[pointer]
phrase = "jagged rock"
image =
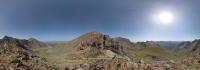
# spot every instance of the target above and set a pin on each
(95, 40)
(18, 54)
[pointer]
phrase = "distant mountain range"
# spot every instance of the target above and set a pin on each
(187, 46)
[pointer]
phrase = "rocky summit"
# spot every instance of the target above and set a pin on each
(98, 41)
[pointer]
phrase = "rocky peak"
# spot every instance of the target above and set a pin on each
(9, 42)
(22, 43)
(36, 43)
(96, 40)
(32, 39)
(8, 39)
(92, 36)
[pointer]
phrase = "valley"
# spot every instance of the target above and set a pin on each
(97, 51)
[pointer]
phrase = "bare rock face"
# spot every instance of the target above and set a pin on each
(97, 41)
(17, 54)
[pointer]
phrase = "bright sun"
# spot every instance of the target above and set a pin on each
(165, 17)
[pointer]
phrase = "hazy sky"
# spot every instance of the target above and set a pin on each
(49, 20)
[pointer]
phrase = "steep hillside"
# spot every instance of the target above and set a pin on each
(88, 47)
(96, 51)
(94, 42)
(18, 54)
(189, 47)
(23, 43)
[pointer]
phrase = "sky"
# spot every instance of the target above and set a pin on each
(62, 20)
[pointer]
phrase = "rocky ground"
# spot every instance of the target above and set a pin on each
(124, 64)
(16, 54)
(96, 51)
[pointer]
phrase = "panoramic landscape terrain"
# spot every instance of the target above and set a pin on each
(99, 35)
(97, 51)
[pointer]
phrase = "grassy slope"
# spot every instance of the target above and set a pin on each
(65, 55)
(58, 55)
(158, 53)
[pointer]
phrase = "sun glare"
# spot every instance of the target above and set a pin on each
(165, 17)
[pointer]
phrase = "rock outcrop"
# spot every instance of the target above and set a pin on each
(97, 41)
(17, 54)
